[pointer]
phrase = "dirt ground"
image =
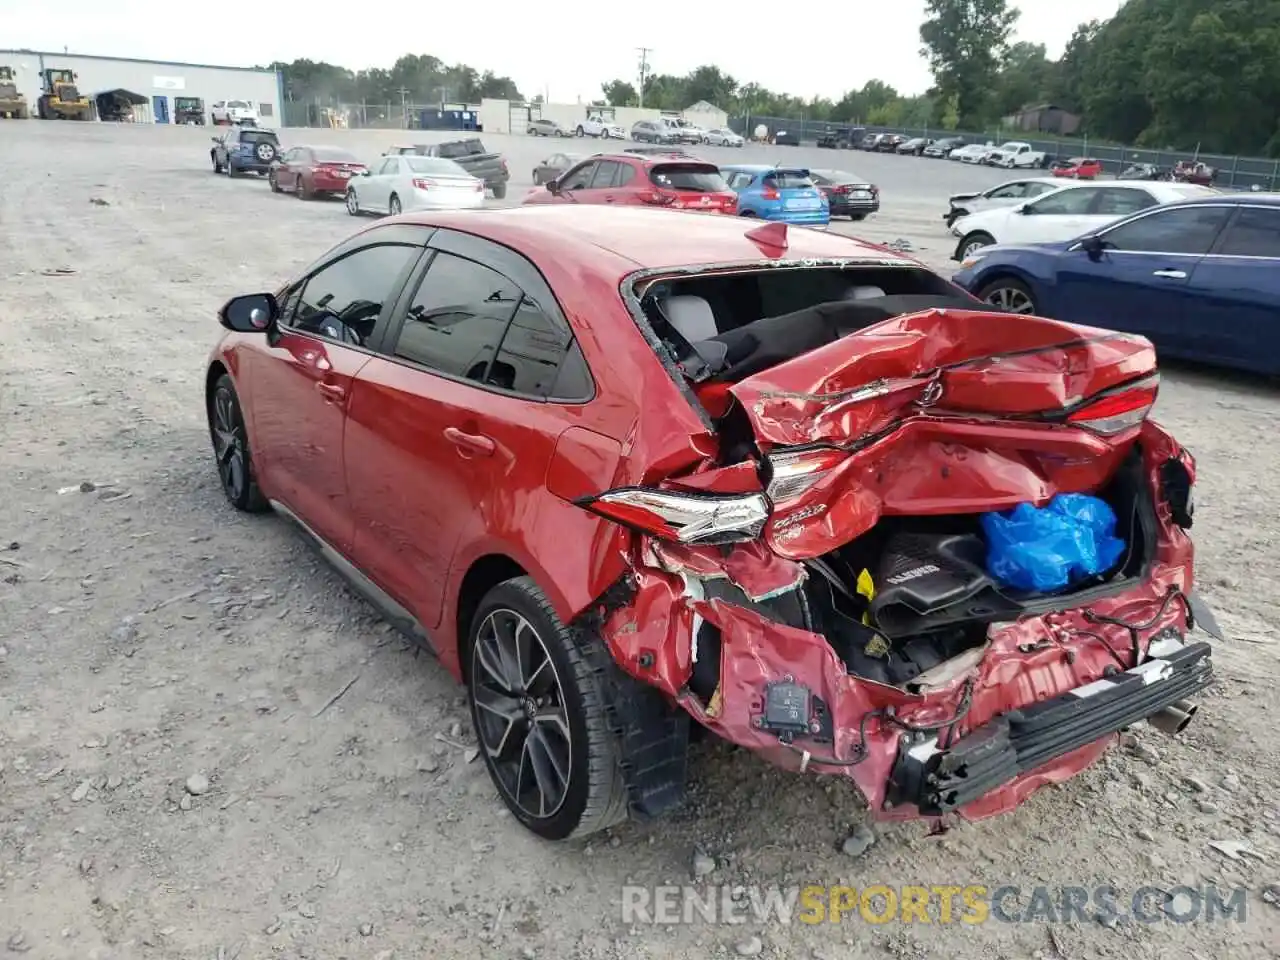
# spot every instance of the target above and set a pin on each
(175, 783)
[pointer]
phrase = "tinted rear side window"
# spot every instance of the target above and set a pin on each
(702, 177)
(1255, 233)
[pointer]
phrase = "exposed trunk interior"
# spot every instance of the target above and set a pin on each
(926, 620)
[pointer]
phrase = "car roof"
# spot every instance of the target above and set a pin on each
(1244, 196)
(763, 167)
(652, 159)
(632, 238)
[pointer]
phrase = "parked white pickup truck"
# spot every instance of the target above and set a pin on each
(597, 126)
(1018, 154)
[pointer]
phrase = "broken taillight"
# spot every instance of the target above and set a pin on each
(1118, 411)
(683, 517)
(794, 473)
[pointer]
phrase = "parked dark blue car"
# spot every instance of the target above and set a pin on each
(243, 149)
(1200, 279)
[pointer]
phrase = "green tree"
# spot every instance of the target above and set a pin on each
(1024, 78)
(619, 93)
(964, 41)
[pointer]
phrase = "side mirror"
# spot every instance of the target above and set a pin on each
(252, 313)
(553, 187)
(1093, 246)
(1025, 209)
(365, 172)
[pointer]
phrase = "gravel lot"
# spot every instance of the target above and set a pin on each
(172, 784)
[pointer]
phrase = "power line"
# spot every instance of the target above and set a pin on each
(644, 69)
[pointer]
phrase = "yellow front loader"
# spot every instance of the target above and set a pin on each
(13, 105)
(60, 99)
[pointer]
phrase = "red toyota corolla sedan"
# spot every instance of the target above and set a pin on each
(309, 171)
(620, 470)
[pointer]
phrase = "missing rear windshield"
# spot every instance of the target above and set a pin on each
(700, 177)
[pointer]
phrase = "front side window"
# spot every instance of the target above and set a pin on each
(343, 300)
(580, 177)
(1189, 230)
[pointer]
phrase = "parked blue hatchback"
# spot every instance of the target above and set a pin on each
(777, 193)
(1200, 279)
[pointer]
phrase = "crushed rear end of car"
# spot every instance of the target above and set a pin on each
(817, 587)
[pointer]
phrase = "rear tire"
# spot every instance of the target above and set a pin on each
(580, 132)
(499, 191)
(217, 167)
(544, 729)
(300, 187)
(393, 206)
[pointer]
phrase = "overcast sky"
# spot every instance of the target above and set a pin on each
(564, 51)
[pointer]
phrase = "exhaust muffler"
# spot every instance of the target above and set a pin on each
(1173, 719)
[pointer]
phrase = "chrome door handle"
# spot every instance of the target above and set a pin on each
(1170, 274)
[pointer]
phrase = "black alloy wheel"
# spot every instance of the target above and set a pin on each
(539, 712)
(231, 448)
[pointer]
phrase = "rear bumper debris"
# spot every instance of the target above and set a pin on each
(940, 781)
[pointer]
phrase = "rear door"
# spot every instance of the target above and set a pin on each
(1139, 283)
(1232, 294)
(451, 427)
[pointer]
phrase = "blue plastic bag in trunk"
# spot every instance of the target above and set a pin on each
(1049, 548)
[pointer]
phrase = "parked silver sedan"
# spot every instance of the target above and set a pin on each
(399, 183)
(722, 137)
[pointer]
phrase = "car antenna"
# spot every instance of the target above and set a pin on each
(772, 235)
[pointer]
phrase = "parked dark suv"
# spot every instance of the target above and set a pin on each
(244, 148)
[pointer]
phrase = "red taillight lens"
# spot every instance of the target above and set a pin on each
(420, 183)
(504, 167)
(840, 189)
(1118, 411)
(683, 517)
(769, 193)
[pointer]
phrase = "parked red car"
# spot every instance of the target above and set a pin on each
(1077, 168)
(674, 180)
(619, 473)
(308, 171)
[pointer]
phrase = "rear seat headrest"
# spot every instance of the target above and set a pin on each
(692, 317)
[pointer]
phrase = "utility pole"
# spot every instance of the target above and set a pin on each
(404, 106)
(644, 69)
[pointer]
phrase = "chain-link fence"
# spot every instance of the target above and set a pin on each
(379, 116)
(1241, 173)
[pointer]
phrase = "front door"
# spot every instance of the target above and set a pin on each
(301, 382)
(161, 109)
(1139, 282)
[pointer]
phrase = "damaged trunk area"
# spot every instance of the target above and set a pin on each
(912, 600)
(912, 518)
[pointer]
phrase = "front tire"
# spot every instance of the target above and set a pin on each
(231, 448)
(541, 717)
(499, 191)
(580, 132)
(353, 203)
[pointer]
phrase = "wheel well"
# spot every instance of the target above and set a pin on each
(1000, 275)
(485, 574)
(216, 371)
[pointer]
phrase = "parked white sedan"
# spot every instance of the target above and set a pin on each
(971, 153)
(398, 183)
(1065, 214)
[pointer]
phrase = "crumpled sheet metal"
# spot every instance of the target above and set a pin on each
(1032, 659)
(952, 361)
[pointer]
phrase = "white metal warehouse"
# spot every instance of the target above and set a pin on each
(156, 84)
